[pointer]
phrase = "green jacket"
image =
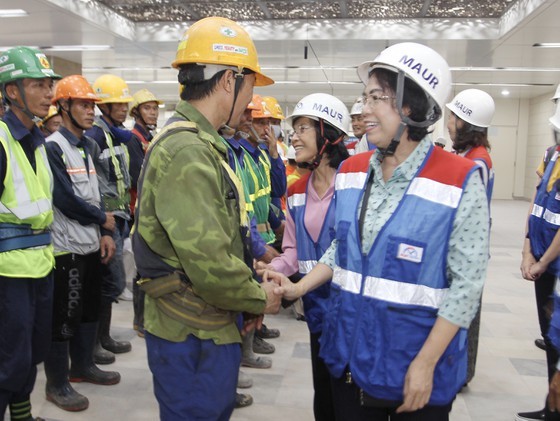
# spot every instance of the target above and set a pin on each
(189, 218)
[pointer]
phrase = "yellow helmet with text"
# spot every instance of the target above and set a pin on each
(111, 89)
(220, 42)
(274, 107)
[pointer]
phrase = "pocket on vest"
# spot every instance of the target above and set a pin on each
(404, 260)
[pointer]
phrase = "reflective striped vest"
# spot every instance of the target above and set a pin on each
(480, 155)
(68, 234)
(309, 251)
(25, 212)
(384, 304)
(258, 184)
(544, 220)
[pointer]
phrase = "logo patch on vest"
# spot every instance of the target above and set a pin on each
(410, 253)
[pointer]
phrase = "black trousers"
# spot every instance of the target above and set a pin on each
(323, 405)
(77, 293)
(348, 408)
(544, 289)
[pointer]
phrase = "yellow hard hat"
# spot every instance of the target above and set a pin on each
(220, 41)
(111, 89)
(52, 112)
(273, 106)
(141, 97)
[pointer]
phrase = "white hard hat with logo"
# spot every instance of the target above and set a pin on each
(357, 107)
(419, 63)
(556, 96)
(322, 106)
(473, 106)
(555, 119)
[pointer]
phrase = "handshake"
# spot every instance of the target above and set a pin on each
(277, 286)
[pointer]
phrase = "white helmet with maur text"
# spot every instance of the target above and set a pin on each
(421, 64)
(555, 119)
(473, 106)
(357, 107)
(325, 107)
(556, 96)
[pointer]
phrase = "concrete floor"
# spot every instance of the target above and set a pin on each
(510, 377)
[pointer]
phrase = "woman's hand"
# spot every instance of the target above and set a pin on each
(418, 385)
(285, 288)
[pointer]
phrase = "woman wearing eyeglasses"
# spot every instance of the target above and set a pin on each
(409, 257)
(320, 123)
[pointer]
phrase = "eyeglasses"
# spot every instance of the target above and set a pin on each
(373, 99)
(301, 129)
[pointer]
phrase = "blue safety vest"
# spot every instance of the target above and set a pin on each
(384, 304)
(544, 220)
(309, 251)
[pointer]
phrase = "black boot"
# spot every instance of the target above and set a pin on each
(100, 355)
(58, 389)
(81, 353)
(116, 347)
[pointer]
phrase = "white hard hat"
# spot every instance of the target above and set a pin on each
(556, 94)
(291, 153)
(421, 64)
(325, 107)
(357, 107)
(555, 119)
(473, 106)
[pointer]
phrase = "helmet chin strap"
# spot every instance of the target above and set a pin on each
(138, 116)
(319, 157)
(25, 108)
(69, 112)
(238, 82)
(405, 121)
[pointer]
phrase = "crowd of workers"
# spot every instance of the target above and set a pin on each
(381, 234)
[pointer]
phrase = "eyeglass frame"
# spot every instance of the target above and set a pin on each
(374, 99)
(302, 129)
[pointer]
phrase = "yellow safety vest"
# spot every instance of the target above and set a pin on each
(26, 203)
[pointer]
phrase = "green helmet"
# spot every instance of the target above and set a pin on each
(24, 62)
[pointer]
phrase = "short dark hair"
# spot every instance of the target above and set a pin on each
(466, 137)
(414, 98)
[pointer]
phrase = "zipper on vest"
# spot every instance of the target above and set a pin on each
(348, 377)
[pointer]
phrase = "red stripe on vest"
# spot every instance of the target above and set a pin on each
(446, 168)
(356, 163)
(299, 186)
(480, 152)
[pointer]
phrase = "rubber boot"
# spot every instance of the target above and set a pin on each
(249, 359)
(116, 347)
(58, 390)
(101, 355)
(81, 353)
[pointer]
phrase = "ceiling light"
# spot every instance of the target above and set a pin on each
(76, 48)
(505, 92)
(12, 13)
(547, 45)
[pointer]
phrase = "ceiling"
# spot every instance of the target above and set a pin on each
(487, 43)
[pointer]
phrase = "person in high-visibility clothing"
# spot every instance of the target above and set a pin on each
(114, 182)
(190, 234)
(410, 252)
(81, 236)
(51, 122)
(471, 113)
(540, 262)
(26, 251)
(318, 137)
(144, 108)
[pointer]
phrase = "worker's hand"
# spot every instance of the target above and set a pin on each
(107, 248)
(271, 142)
(536, 270)
(251, 323)
(418, 385)
(285, 288)
(109, 222)
(269, 254)
(527, 261)
(273, 300)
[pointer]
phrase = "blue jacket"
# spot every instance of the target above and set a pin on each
(309, 252)
(384, 304)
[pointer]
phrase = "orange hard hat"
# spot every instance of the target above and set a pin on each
(261, 111)
(74, 87)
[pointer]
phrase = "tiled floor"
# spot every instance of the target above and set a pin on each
(510, 373)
